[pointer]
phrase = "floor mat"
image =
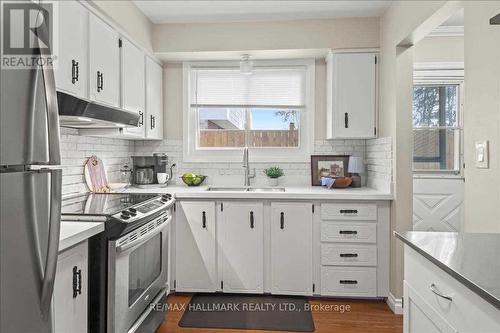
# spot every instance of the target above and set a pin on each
(241, 311)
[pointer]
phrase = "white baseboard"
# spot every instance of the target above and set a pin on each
(396, 304)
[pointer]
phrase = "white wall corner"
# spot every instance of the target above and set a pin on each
(396, 304)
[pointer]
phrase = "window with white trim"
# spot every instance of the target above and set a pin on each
(270, 110)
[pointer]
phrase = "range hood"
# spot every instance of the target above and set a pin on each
(78, 113)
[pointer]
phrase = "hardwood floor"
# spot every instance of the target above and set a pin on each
(364, 317)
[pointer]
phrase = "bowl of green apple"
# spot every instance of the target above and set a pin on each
(192, 179)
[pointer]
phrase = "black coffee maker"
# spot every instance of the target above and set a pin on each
(146, 169)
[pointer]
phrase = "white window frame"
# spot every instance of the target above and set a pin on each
(258, 154)
(446, 73)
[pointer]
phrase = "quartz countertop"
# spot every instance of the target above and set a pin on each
(73, 233)
(291, 193)
(472, 259)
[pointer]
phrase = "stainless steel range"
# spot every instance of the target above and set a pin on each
(129, 261)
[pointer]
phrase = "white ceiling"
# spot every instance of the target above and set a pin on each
(173, 11)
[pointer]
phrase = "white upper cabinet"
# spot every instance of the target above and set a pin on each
(154, 100)
(72, 64)
(133, 84)
(104, 62)
(351, 95)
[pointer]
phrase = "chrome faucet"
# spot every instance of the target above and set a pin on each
(246, 165)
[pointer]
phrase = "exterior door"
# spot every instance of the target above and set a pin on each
(72, 64)
(242, 247)
(195, 239)
(291, 248)
(25, 214)
(154, 100)
(104, 62)
(438, 204)
(133, 84)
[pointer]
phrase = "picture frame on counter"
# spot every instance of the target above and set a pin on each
(333, 166)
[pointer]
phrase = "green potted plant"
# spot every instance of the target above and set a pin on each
(273, 173)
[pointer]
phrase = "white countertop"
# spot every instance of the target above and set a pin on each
(73, 233)
(295, 193)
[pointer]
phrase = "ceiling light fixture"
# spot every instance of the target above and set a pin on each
(246, 65)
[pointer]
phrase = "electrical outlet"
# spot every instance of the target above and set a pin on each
(482, 154)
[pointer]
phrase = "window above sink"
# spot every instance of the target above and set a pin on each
(271, 111)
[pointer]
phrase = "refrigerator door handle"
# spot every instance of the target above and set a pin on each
(53, 242)
(50, 96)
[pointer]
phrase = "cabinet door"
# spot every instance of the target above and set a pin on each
(420, 317)
(154, 100)
(351, 95)
(291, 248)
(242, 247)
(133, 84)
(195, 246)
(70, 290)
(104, 62)
(71, 73)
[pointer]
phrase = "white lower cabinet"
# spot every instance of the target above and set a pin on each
(241, 245)
(282, 247)
(70, 290)
(195, 246)
(434, 301)
(291, 248)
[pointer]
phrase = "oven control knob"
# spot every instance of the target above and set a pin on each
(132, 211)
(125, 215)
(166, 197)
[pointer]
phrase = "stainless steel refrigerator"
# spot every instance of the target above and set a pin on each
(30, 198)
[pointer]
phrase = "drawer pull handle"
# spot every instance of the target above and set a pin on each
(438, 293)
(348, 282)
(348, 211)
(348, 255)
(348, 232)
(251, 220)
(282, 220)
(204, 220)
(77, 282)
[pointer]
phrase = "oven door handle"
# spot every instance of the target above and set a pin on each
(145, 238)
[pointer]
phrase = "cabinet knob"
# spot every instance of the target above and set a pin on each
(100, 81)
(74, 71)
(346, 120)
(141, 120)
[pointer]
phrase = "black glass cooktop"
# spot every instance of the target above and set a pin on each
(102, 203)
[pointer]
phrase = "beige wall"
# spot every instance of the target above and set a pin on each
(439, 49)
(308, 34)
(482, 116)
(403, 24)
(130, 19)
(282, 35)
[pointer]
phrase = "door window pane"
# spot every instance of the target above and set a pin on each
(144, 267)
(274, 128)
(434, 149)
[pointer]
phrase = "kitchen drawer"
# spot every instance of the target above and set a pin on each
(349, 211)
(349, 281)
(467, 311)
(348, 232)
(348, 254)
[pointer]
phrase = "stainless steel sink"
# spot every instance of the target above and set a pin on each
(245, 189)
(266, 189)
(227, 189)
